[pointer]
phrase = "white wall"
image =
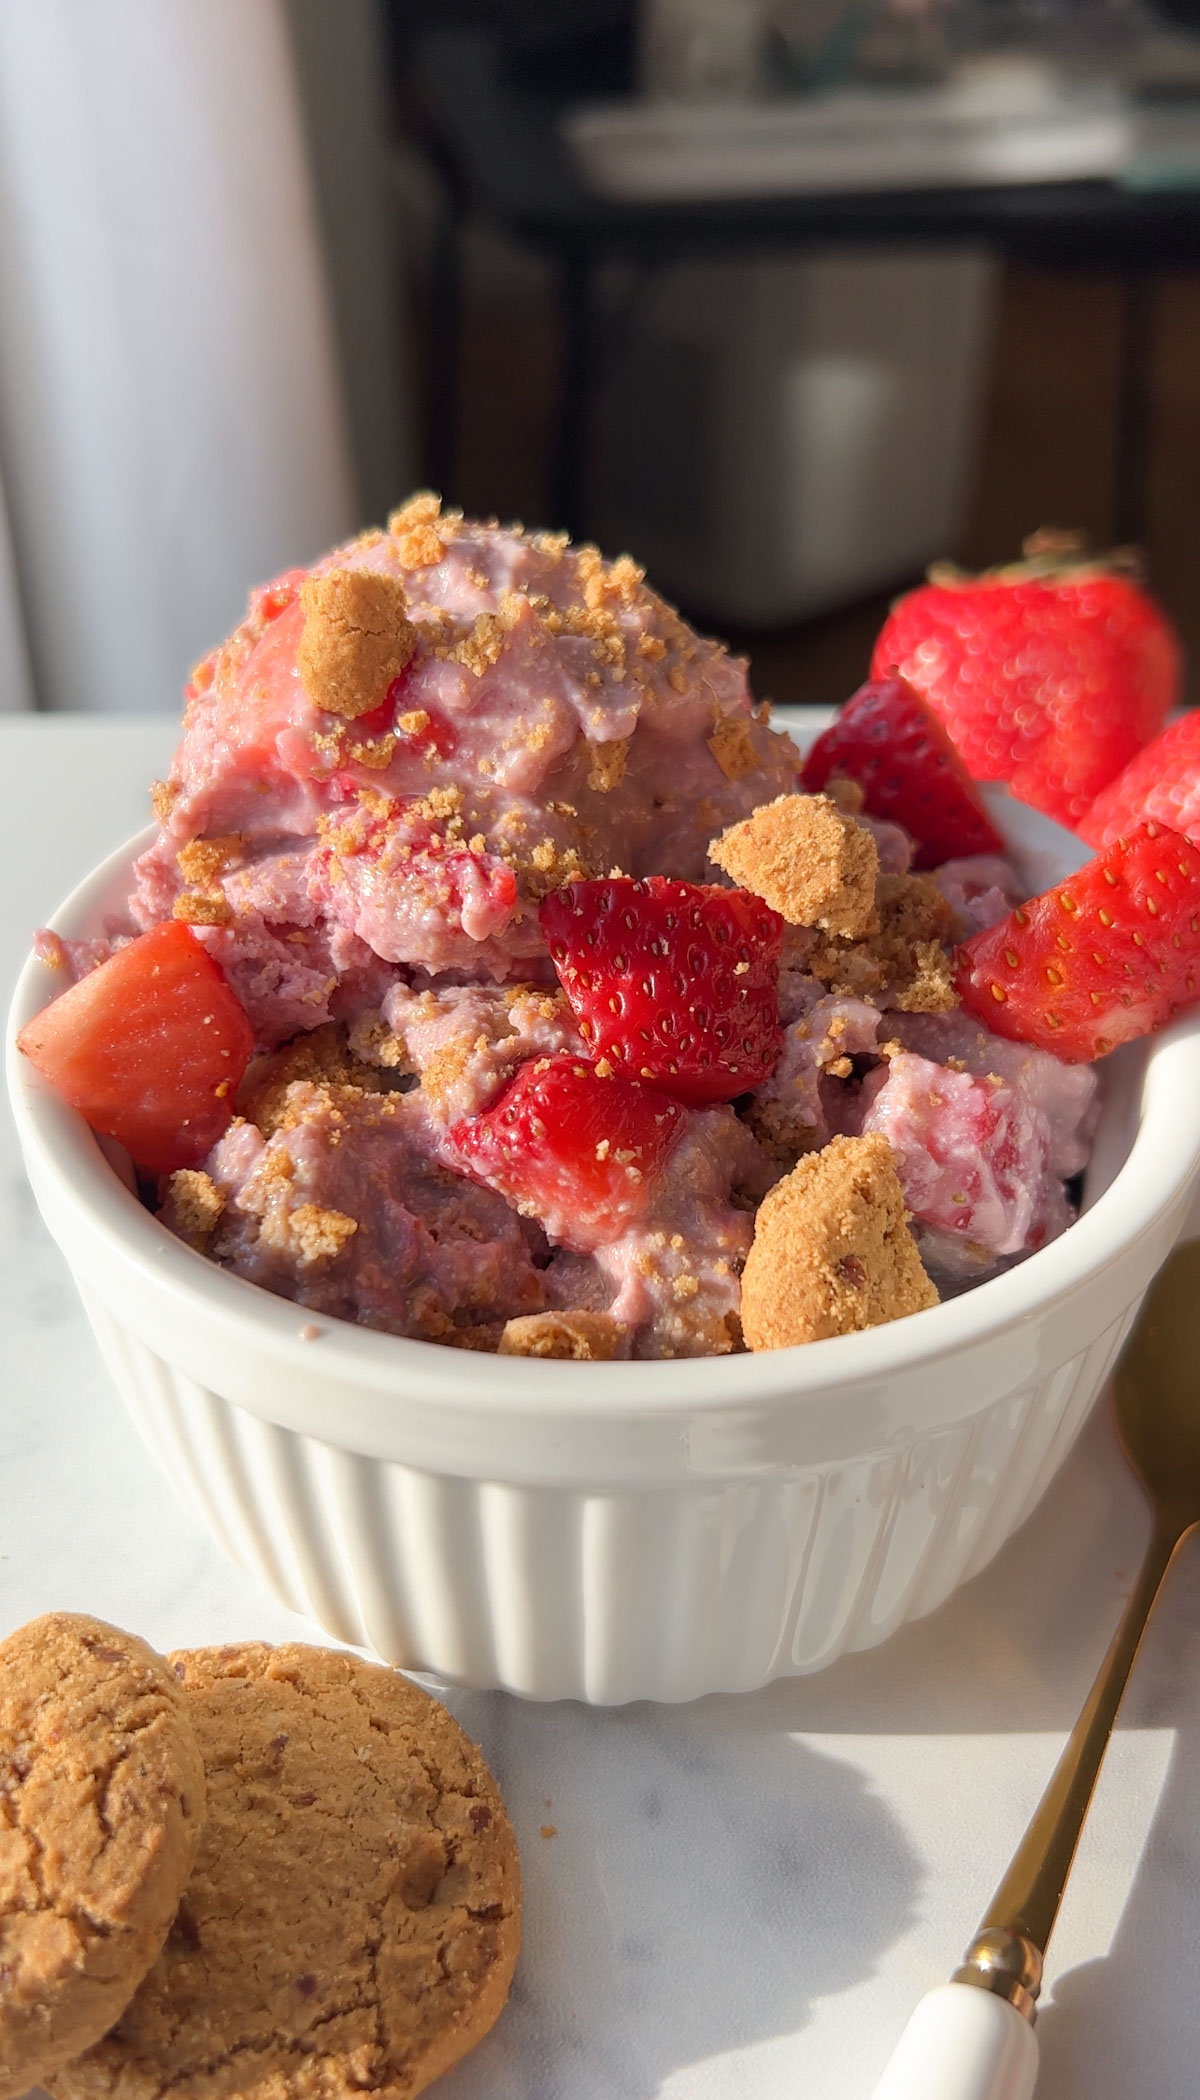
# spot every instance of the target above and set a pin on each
(171, 420)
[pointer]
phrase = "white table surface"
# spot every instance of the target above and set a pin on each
(744, 1897)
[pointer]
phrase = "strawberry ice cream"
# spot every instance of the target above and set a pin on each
(531, 713)
(554, 978)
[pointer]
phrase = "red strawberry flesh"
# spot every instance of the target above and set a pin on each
(579, 1153)
(1109, 955)
(1161, 785)
(675, 983)
(1048, 681)
(150, 1048)
(895, 747)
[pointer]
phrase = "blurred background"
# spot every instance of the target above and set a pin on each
(787, 297)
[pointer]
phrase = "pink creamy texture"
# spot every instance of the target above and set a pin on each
(892, 843)
(431, 1254)
(465, 1041)
(674, 1276)
(982, 889)
(557, 717)
(824, 1028)
(982, 1152)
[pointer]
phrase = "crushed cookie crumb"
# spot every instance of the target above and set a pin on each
(549, 866)
(813, 865)
(483, 1338)
(325, 1057)
(907, 963)
(575, 1337)
(478, 648)
(781, 1130)
(440, 805)
(606, 765)
(422, 530)
(309, 1232)
(201, 861)
(195, 1206)
(163, 797)
(832, 1252)
(730, 742)
(202, 908)
(846, 793)
(376, 753)
(357, 638)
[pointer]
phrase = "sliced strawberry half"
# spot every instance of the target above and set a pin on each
(1111, 954)
(675, 983)
(150, 1048)
(579, 1153)
(894, 746)
(1160, 786)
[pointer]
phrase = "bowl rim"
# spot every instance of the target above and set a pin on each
(1163, 1160)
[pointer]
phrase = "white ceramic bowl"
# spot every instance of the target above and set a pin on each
(625, 1531)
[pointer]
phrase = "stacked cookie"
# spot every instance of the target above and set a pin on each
(240, 1871)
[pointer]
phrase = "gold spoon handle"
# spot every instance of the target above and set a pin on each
(1005, 1955)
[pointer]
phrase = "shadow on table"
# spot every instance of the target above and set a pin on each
(1014, 1650)
(697, 1877)
(706, 1881)
(1126, 2025)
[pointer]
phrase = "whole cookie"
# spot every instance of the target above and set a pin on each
(354, 1915)
(101, 1808)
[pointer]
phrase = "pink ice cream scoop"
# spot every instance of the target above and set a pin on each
(401, 750)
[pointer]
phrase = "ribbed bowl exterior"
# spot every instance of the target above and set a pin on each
(606, 1596)
(620, 1531)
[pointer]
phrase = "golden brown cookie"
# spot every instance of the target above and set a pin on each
(101, 1808)
(832, 1252)
(353, 1919)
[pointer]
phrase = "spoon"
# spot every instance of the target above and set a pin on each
(973, 2038)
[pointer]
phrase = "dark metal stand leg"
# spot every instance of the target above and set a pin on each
(1131, 466)
(445, 344)
(570, 459)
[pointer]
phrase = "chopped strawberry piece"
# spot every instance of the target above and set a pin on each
(1161, 785)
(972, 1153)
(1110, 954)
(251, 709)
(579, 1153)
(270, 599)
(674, 981)
(150, 1048)
(1049, 674)
(357, 872)
(894, 746)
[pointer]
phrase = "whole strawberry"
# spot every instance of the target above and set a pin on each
(1049, 674)
(889, 741)
(1108, 955)
(1162, 783)
(673, 982)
